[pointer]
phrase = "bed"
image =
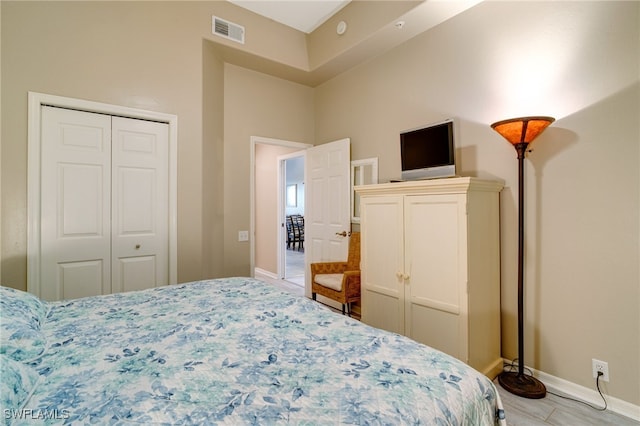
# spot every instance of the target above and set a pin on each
(225, 351)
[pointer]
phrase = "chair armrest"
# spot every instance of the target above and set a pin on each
(328, 268)
(351, 283)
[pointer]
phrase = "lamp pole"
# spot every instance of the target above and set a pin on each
(520, 132)
(521, 149)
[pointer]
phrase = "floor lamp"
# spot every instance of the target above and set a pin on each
(520, 132)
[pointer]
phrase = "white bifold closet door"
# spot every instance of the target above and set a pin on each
(104, 204)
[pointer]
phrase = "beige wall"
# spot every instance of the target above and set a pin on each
(266, 205)
(578, 62)
(255, 105)
(1, 226)
(104, 53)
(213, 162)
(157, 56)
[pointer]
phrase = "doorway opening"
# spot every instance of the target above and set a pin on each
(327, 204)
(268, 251)
(292, 186)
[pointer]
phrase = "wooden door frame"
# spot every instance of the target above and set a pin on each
(35, 102)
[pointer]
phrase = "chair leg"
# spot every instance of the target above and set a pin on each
(349, 308)
(343, 309)
(313, 296)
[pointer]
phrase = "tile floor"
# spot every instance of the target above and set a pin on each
(554, 410)
(294, 270)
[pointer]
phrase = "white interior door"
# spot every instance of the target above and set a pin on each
(327, 211)
(140, 204)
(76, 201)
(104, 204)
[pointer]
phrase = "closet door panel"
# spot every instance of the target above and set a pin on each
(138, 272)
(104, 216)
(80, 200)
(140, 212)
(81, 279)
(75, 184)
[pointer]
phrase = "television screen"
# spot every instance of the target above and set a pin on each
(428, 152)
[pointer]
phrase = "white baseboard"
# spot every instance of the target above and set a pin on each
(591, 396)
(265, 272)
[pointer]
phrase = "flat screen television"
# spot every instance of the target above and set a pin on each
(428, 152)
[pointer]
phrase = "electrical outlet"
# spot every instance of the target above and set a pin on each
(602, 367)
(243, 235)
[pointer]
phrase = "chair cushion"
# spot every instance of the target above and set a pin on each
(332, 281)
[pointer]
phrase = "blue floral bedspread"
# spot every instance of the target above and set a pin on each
(238, 351)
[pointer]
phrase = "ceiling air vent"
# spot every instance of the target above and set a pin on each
(228, 29)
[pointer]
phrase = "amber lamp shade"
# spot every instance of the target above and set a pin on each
(521, 131)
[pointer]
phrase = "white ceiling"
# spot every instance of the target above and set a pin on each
(303, 15)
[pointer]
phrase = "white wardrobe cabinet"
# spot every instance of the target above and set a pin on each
(430, 261)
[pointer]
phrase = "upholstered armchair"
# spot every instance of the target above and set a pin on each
(339, 281)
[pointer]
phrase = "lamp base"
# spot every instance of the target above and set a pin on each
(522, 385)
